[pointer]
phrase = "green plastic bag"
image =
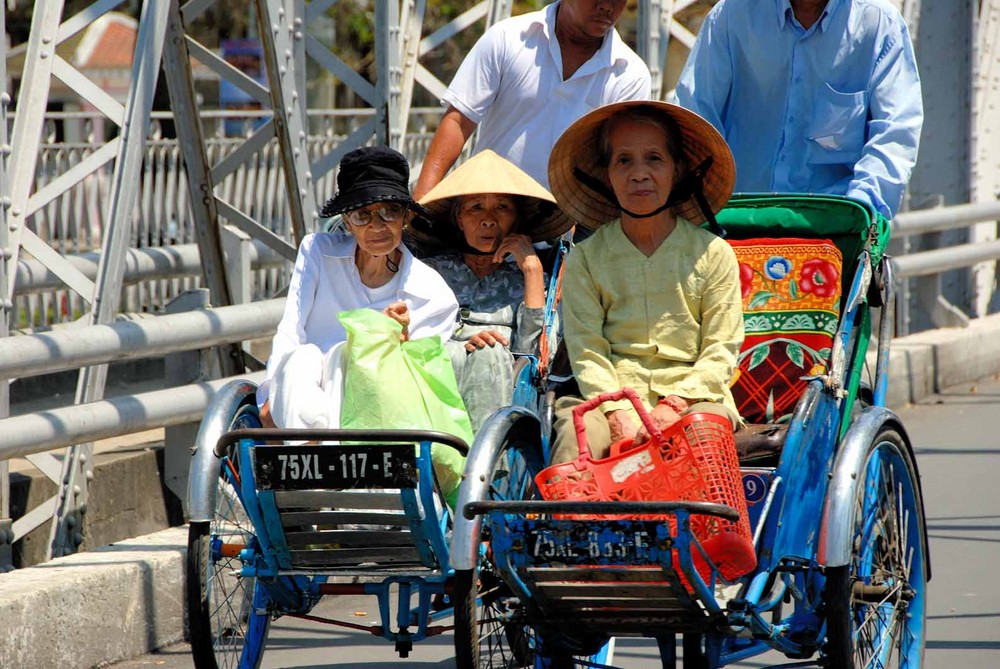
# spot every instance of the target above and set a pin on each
(390, 384)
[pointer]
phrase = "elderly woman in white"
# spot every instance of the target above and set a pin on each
(334, 272)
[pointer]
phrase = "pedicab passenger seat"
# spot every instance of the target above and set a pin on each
(797, 256)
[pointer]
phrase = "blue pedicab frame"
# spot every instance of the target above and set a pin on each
(242, 572)
(838, 520)
(240, 575)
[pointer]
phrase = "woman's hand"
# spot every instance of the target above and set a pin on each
(400, 312)
(527, 260)
(620, 424)
(484, 339)
(520, 247)
(663, 417)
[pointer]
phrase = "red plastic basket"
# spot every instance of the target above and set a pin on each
(693, 460)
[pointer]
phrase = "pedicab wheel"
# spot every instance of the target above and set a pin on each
(227, 614)
(486, 626)
(488, 631)
(876, 606)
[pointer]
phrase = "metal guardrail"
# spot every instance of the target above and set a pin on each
(162, 263)
(71, 348)
(75, 347)
(924, 263)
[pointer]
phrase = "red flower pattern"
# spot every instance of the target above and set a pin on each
(818, 277)
(746, 279)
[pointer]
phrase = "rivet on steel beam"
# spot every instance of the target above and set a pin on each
(298, 34)
(5, 201)
(16, 211)
(70, 522)
(5, 98)
(297, 22)
(43, 55)
(77, 490)
(77, 538)
(90, 476)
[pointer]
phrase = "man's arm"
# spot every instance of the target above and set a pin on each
(896, 116)
(447, 143)
(707, 78)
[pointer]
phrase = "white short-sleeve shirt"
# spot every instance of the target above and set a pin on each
(511, 85)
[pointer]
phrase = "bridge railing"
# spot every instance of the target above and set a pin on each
(927, 266)
(74, 222)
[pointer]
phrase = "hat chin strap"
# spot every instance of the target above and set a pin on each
(691, 185)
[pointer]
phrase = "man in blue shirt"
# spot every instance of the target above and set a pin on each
(813, 96)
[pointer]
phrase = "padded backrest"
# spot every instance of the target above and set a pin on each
(850, 225)
(791, 298)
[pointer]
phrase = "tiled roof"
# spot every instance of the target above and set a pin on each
(109, 43)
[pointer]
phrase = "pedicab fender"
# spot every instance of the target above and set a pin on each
(837, 528)
(476, 482)
(205, 463)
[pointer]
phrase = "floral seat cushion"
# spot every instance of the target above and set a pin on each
(791, 305)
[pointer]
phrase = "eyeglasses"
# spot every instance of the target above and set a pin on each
(387, 211)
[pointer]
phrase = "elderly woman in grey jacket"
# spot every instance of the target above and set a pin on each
(487, 213)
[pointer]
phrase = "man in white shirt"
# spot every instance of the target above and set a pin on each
(530, 77)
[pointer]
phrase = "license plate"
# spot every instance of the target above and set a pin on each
(335, 467)
(614, 542)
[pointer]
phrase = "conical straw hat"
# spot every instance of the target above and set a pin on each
(487, 172)
(578, 148)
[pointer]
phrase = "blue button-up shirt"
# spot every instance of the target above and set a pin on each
(832, 109)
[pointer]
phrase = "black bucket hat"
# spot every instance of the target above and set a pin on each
(368, 175)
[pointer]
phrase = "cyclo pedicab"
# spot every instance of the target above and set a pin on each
(833, 517)
(280, 518)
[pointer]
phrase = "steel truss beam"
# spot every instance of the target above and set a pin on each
(71, 503)
(42, 63)
(6, 527)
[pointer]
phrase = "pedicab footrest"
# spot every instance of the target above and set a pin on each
(335, 467)
(606, 575)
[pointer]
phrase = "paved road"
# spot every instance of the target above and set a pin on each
(957, 438)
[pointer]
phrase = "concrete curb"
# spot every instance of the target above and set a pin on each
(96, 607)
(928, 362)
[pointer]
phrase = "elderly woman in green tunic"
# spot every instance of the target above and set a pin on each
(651, 300)
(486, 215)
